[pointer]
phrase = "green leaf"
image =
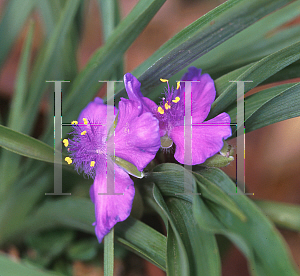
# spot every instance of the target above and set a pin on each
(256, 72)
(128, 167)
(269, 106)
(19, 201)
(200, 37)
(83, 250)
(110, 16)
(9, 162)
(46, 62)
(172, 182)
(290, 72)
(102, 63)
(13, 21)
(201, 246)
(212, 192)
(282, 214)
(10, 267)
(78, 213)
(255, 42)
(177, 258)
(25, 145)
(49, 245)
(256, 237)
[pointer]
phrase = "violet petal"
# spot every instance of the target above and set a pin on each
(110, 209)
(207, 138)
(136, 137)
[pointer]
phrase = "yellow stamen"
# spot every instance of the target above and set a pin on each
(163, 80)
(178, 85)
(83, 132)
(167, 106)
(66, 142)
(74, 122)
(177, 99)
(85, 121)
(68, 160)
(92, 163)
(160, 110)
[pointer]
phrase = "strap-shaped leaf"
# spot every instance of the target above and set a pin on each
(25, 145)
(10, 267)
(78, 213)
(282, 214)
(256, 72)
(177, 257)
(256, 237)
(103, 62)
(200, 37)
(270, 106)
(13, 19)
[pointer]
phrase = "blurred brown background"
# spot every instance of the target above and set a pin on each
(272, 153)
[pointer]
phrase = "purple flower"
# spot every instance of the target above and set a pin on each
(136, 140)
(207, 137)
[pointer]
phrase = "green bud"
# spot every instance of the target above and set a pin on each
(221, 159)
(128, 167)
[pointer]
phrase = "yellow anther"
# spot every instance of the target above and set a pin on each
(167, 106)
(66, 142)
(92, 164)
(163, 80)
(83, 132)
(160, 110)
(85, 121)
(68, 160)
(178, 85)
(177, 99)
(74, 122)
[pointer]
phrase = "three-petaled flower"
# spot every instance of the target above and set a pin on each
(207, 136)
(94, 148)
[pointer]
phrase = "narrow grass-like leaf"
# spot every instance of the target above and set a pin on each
(18, 202)
(270, 106)
(110, 16)
(25, 145)
(10, 267)
(13, 21)
(9, 162)
(252, 44)
(45, 62)
(282, 214)
(200, 37)
(101, 65)
(170, 180)
(79, 213)
(290, 72)
(201, 246)
(177, 258)
(256, 237)
(256, 72)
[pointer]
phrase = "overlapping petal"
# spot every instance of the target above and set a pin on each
(136, 135)
(110, 209)
(207, 138)
(96, 112)
(203, 93)
(133, 89)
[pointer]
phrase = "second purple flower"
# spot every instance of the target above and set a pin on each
(207, 136)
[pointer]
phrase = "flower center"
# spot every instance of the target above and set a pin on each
(87, 147)
(170, 112)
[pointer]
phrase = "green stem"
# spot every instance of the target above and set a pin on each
(109, 253)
